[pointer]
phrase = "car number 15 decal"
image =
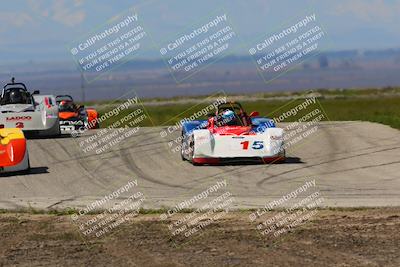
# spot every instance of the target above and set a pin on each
(255, 145)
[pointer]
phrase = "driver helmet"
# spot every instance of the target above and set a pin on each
(65, 105)
(16, 96)
(228, 115)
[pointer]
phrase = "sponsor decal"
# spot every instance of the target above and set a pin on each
(19, 118)
(199, 138)
(71, 122)
(276, 137)
(49, 116)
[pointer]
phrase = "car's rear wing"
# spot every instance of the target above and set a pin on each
(60, 98)
(13, 84)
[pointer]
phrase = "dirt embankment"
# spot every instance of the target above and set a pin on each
(366, 237)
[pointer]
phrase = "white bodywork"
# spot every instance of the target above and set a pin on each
(39, 118)
(266, 144)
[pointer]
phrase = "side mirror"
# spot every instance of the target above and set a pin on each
(254, 114)
(36, 92)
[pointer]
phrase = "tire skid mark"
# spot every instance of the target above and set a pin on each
(60, 201)
(84, 166)
(344, 170)
(48, 150)
(357, 150)
(114, 153)
(106, 152)
(130, 164)
(325, 162)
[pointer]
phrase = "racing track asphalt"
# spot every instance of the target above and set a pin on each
(353, 164)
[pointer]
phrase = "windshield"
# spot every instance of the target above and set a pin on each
(16, 96)
(65, 106)
(228, 117)
(231, 114)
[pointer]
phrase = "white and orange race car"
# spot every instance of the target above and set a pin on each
(13, 151)
(33, 113)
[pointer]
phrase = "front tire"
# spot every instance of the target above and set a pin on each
(282, 156)
(182, 153)
(191, 149)
(183, 147)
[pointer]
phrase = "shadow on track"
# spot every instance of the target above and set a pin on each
(31, 171)
(34, 136)
(237, 162)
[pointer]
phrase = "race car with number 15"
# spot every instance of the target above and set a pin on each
(232, 136)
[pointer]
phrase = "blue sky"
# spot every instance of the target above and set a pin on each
(40, 30)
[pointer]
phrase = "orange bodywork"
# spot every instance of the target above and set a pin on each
(67, 115)
(92, 117)
(12, 147)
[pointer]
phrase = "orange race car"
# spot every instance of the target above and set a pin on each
(13, 151)
(74, 117)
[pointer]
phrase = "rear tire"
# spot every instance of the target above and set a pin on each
(191, 149)
(182, 154)
(28, 170)
(282, 157)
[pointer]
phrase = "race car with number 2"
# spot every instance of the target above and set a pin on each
(33, 113)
